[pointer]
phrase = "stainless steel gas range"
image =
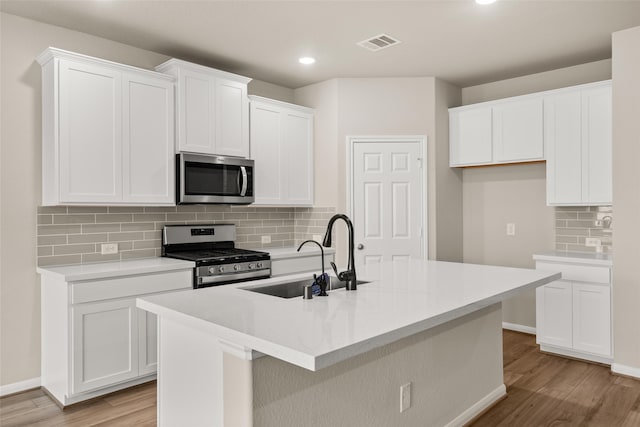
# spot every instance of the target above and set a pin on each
(212, 248)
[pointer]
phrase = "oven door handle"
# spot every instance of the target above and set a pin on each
(243, 190)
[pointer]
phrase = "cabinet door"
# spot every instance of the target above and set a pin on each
(148, 141)
(90, 133)
(266, 137)
(592, 318)
(147, 342)
(597, 144)
(297, 147)
(470, 136)
(196, 112)
(105, 344)
(563, 148)
(518, 131)
(232, 118)
(553, 314)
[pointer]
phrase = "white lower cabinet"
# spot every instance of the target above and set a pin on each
(573, 315)
(94, 338)
(105, 335)
(147, 347)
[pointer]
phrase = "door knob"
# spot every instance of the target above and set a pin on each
(360, 246)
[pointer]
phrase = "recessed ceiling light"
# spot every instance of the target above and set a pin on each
(307, 60)
(485, 1)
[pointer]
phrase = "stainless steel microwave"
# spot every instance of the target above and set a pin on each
(204, 178)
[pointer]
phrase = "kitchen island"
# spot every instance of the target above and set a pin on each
(232, 357)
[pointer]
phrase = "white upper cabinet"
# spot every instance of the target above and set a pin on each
(517, 131)
(505, 131)
(148, 140)
(107, 132)
(282, 148)
(470, 136)
(213, 109)
(578, 143)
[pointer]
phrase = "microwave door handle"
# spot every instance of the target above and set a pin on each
(243, 190)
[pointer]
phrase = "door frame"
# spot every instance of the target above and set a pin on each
(352, 140)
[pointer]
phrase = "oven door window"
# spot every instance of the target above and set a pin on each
(217, 180)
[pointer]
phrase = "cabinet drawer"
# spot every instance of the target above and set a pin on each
(97, 290)
(578, 273)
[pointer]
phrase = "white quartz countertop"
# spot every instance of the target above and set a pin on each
(291, 252)
(575, 258)
(402, 299)
(104, 270)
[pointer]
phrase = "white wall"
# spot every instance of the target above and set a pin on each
(493, 196)
(626, 200)
(20, 174)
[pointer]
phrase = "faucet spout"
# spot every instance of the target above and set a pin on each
(348, 276)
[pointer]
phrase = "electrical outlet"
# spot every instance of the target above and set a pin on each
(405, 397)
(511, 229)
(266, 239)
(317, 238)
(109, 248)
(592, 241)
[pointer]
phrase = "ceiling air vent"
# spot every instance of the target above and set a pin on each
(378, 42)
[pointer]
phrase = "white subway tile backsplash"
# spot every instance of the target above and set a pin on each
(73, 235)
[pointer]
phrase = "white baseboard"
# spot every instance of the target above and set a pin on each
(478, 407)
(628, 371)
(19, 386)
(519, 328)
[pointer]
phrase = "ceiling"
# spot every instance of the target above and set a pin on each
(456, 40)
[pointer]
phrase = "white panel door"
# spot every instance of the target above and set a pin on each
(147, 342)
(232, 118)
(592, 318)
(298, 154)
(148, 141)
(554, 314)
(105, 343)
(387, 201)
(470, 139)
(196, 109)
(90, 133)
(563, 148)
(266, 137)
(597, 146)
(518, 131)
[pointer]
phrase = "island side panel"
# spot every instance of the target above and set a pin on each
(189, 376)
(455, 370)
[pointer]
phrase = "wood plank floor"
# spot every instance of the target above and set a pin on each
(546, 390)
(543, 390)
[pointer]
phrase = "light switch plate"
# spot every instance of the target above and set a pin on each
(266, 239)
(511, 229)
(405, 397)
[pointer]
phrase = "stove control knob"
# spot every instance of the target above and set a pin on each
(252, 266)
(236, 267)
(212, 270)
(221, 269)
(259, 265)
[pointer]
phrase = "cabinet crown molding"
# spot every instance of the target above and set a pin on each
(283, 104)
(179, 63)
(54, 53)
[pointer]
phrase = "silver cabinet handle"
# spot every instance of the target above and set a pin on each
(243, 191)
(360, 246)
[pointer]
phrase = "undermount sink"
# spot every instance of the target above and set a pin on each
(295, 289)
